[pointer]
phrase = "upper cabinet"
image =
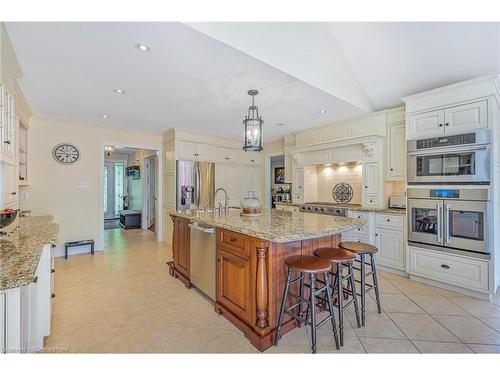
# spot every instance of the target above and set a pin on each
(23, 154)
(455, 119)
(7, 124)
(426, 124)
(227, 154)
(251, 158)
(370, 178)
(195, 151)
(397, 153)
(466, 117)
(454, 109)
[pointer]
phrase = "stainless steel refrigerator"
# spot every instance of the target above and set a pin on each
(195, 184)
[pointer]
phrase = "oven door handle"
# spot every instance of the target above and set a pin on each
(447, 223)
(447, 150)
(439, 207)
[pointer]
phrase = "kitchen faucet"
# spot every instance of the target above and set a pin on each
(226, 200)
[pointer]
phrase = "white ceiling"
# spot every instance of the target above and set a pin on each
(196, 76)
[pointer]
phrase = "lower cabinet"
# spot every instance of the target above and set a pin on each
(234, 285)
(390, 244)
(181, 245)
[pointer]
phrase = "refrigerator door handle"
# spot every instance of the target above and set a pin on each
(197, 179)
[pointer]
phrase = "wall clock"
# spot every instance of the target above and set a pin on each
(66, 153)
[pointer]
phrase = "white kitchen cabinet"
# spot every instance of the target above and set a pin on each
(397, 153)
(8, 186)
(288, 168)
(298, 185)
(2, 323)
(227, 154)
(390, 244)
(195, 151)
(7, 126)
(461, 271)
(228, 178)
(251, 158)
(370, 178)
(427, 124)
(466, 117)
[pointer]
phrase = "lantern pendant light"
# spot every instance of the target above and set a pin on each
(253, 126)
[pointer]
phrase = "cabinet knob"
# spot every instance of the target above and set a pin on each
(52, 295)
(366, 187)
(232, 239)
(52, 270)
(376, 234)
(440, 125)
(447, 124)
(35, 280)
(388, 220)
(392, 169)
(13, 193)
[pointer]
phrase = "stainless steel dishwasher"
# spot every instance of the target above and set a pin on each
(202, 258)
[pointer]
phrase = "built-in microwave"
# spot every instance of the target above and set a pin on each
(461, 158)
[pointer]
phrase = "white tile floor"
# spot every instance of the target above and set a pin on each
(123, 301)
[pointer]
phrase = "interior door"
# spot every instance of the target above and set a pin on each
(466, 225)
(425, 222)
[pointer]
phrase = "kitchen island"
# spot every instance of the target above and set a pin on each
(250, 266)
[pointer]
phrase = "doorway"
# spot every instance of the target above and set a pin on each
(114, 188)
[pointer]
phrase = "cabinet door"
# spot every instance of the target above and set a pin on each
(397, 152)
(370, 178)
(288, 168)
(298, 181)
(426, 124)
(9, 185)
(234, 284)
(187, 150)
(466, 117)
(251, 158)
(390, 246)
(226, 154)
(246, 184)
(181, 246)
(204, 152)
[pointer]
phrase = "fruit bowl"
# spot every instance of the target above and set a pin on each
(7, 217)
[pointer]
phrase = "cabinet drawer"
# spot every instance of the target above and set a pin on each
(358, 237)
(358, 215)
(361, 231)
(371, 200)
(469, 273)
(235, 243)
(389, 221)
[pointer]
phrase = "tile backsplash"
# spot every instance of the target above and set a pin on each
(328, 177)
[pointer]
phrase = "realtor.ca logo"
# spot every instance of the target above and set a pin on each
(37, 350)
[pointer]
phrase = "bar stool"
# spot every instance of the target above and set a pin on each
(362, 249)
(340, 258)
(307, 264)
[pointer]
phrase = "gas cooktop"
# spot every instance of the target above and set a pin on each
(327, 208)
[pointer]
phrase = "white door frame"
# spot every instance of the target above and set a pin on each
(146, 191)
(267, 175)
(159, 197)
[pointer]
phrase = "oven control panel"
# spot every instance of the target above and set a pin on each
(451, 140)
(444, 193)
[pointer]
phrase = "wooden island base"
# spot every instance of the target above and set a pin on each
(250, 278)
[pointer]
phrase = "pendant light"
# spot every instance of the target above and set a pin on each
(253, 126)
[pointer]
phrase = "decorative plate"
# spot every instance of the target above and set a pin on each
(66, 153)
(342, 192)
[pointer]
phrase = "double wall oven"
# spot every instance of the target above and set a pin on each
(452, 210)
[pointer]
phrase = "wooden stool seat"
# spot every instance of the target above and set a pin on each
(307, 263)
(335, 255)
(358, 247)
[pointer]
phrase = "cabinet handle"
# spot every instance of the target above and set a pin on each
(233, 240)
(7, 142)
(13, 193)
(445, 266)
(447, 124)
(52, 270)
(440, 125)
(52, 295)
(35, 280)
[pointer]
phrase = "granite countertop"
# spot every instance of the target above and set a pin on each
(21, 249)
(275, 225)
(398, 211)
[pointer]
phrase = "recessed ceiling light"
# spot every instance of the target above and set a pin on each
(105, 116)
(119, 91)
(280, 124)
(322, 112)
(142, 47)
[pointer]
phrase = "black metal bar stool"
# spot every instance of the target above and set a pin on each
(311, 265)
(362, 249)
(340, 258)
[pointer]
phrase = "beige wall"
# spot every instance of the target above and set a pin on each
(72, 193)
